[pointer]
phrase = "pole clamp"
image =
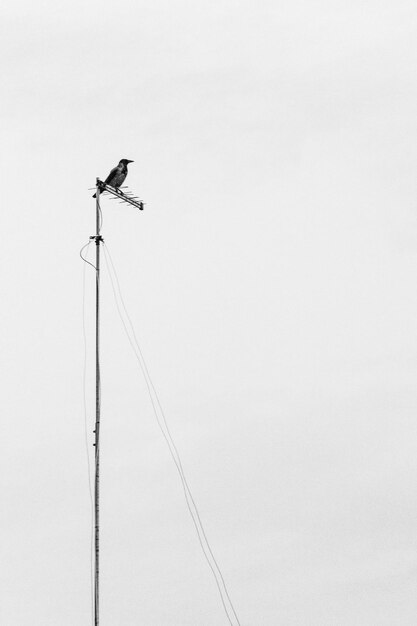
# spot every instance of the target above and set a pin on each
(101, 186)
(97, 238)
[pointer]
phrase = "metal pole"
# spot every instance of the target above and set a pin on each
(97, 424)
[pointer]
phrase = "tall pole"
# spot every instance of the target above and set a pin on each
(128, 198)
(97, 423)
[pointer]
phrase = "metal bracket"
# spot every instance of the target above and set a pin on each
(97, 239)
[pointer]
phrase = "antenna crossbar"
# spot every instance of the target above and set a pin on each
(123, 196)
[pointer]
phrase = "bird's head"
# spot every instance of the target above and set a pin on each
(125, 161)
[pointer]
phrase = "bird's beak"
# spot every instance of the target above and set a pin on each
(130, 161)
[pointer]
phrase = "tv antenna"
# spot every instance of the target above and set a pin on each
(128, 198)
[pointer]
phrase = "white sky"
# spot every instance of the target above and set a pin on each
(271, 280)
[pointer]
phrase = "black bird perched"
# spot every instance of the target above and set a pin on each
(117, 175)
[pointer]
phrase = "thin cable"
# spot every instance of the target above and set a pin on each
(83, 258)
(101, 214)
(172, 455)
(191, 505)
(180, 468)
(86, 436)
(172, 442)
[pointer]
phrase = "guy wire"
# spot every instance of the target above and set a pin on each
(177, 455)
(191, 505)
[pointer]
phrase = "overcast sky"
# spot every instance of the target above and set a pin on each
(271, 280)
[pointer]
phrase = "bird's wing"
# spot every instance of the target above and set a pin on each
(114, 171)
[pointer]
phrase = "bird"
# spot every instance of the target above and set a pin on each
(117, 175)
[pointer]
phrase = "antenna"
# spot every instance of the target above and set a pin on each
(129, 198)
(126, 196)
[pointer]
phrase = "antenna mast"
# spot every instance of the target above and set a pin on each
(98, 240)
(133, 200)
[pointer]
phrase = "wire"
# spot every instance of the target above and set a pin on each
(83, 258)
(100, 211)
(101, 218)
(86, 434)
(163, 425)
(172, 453)
(177, 455)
